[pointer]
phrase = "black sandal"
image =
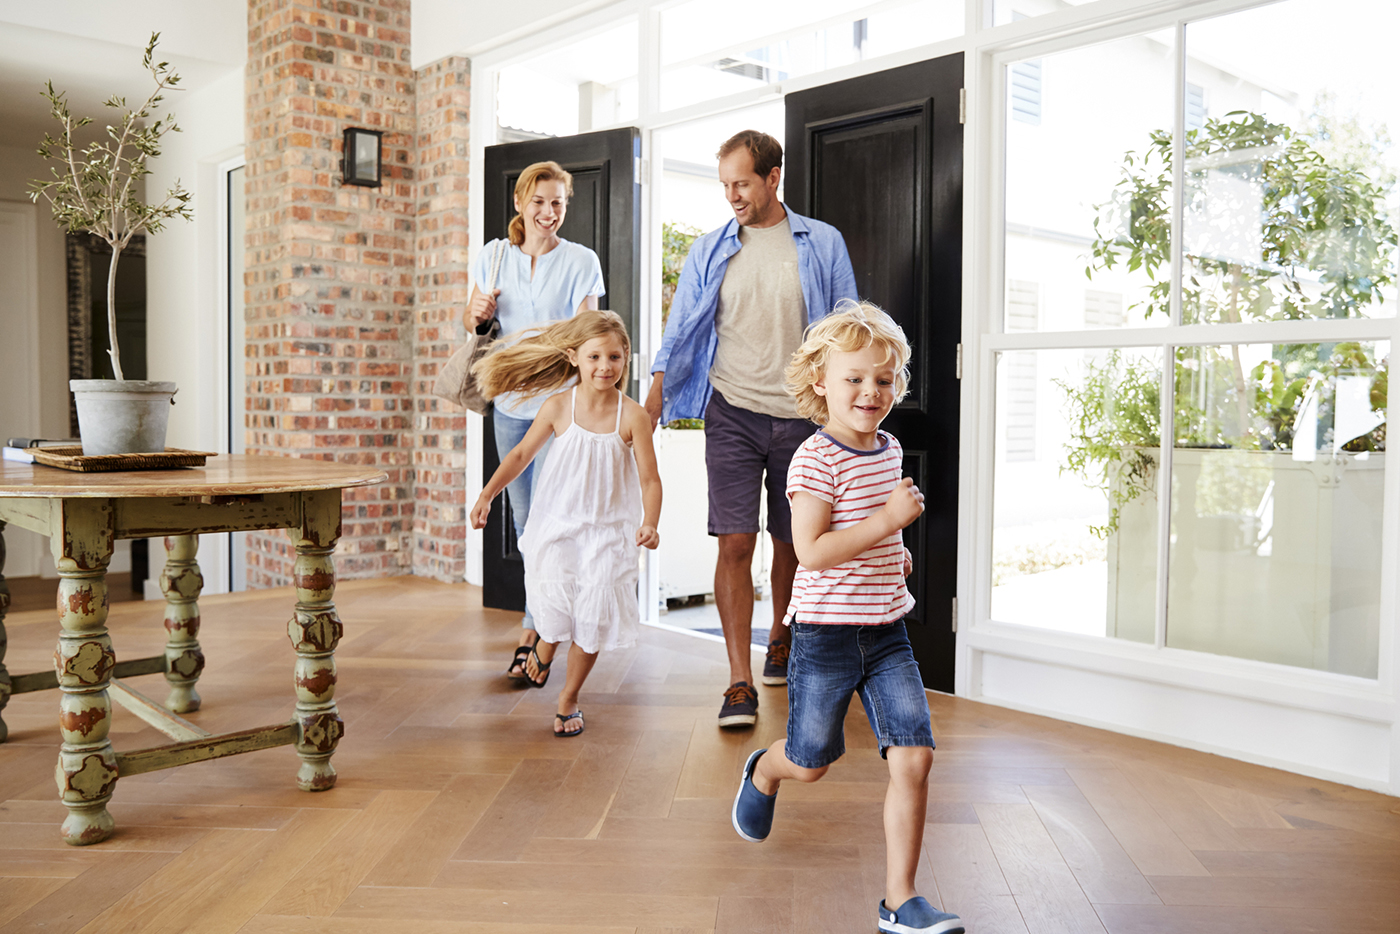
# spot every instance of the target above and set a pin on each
(565, 718)
(541, 665)
(522, 652)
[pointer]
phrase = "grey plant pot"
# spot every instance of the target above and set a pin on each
(126, 416)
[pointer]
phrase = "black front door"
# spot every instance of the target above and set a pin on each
(605, 216)
(880, 158)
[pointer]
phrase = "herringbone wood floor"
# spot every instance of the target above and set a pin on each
(457, 811)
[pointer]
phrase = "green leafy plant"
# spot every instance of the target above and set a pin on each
(676, 240)
(1114, 418)
(1325, 247)
(94, 189)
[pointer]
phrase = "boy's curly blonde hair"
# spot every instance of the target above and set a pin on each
(851, 326)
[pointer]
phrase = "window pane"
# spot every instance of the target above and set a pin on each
(1074, 537)
(588, 84)
(1088, 187)
(1009, 11)
(690, 200)
(1290, 168)
(1277, 501)
(712, 48)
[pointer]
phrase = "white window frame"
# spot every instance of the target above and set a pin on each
(989, 50)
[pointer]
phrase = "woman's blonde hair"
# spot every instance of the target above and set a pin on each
(536, 360)
(851, 326)
(525, 189)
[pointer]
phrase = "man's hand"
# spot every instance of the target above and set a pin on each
(908, 562)
(481, 309)
(905, 504)
(653, 403)
(647, 537)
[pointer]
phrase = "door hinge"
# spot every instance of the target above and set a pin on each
(962, 105)
(955, 614)
(959, 362)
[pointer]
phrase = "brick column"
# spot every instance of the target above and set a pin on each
(330, 287)
(439, 428)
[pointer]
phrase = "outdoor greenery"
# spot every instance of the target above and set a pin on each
(1114, 412)
(675, 245)
(1281, 224)
(94, 189)
(676, 240)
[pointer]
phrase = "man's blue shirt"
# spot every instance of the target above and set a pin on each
(688, 347)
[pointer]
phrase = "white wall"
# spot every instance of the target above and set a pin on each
(19, 164)
(184, 323)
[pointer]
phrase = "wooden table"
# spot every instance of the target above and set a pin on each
(84, 514)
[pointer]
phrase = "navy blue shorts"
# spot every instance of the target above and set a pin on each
(740, 446)
(828, 664)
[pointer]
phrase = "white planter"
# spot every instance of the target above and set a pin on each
(1272, 559)
(122, 416)
(688, 552)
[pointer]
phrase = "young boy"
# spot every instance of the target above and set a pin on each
(849, 505)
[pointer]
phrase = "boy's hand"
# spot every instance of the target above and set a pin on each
(905, 504)
(480, 511)
(908, 562)
(647, 537)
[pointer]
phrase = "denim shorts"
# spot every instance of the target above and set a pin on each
(828, 664)
(740, 446)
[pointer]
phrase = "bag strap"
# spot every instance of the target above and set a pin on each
(496, 265)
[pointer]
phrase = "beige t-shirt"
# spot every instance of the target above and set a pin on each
(759, 321)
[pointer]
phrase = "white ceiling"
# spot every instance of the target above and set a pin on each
(92, 50)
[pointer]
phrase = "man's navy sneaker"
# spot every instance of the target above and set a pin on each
(740, 706)
(753, 810)
(917, 916)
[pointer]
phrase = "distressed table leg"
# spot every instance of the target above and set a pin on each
(4, 643)
(82, 543)
(315, 631)
(181, 582)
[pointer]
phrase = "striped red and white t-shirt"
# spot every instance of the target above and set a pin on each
(869, 589)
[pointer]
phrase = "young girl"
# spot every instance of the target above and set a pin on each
(581, 536)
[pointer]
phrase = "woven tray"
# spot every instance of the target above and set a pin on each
(73, 458)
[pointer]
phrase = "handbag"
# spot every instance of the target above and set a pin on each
(455, 381)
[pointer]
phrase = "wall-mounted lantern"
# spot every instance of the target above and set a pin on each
(360, 157)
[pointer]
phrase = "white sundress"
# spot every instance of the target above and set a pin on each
(579, 543)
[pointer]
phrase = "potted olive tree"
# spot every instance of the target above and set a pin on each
(94, 189)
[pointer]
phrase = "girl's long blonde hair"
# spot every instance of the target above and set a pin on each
(536, 361)
(525, 187)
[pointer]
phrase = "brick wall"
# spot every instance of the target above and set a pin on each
(330, 269)
(439, 429)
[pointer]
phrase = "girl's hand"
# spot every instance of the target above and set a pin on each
(480, 511)
(908, 562)
(905, 504)
(481, 309)
(647, 537)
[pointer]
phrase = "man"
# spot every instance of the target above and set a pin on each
(747, 292)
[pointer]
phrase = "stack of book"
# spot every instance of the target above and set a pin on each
(21, 449)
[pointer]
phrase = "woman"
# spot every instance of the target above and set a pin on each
(542, 278)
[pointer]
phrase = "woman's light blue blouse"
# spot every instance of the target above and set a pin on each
(563, 278)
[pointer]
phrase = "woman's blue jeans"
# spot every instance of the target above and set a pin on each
(509, 432)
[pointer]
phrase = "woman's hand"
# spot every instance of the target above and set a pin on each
(647, 537)
(480, 511)
(908, 562)
(481, 309)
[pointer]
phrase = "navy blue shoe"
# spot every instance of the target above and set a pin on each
(917, 916)
(753, 810)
